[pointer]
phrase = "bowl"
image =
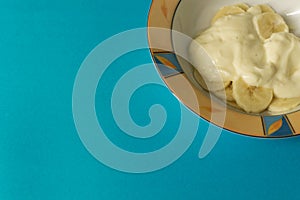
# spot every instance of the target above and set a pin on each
(177, 22)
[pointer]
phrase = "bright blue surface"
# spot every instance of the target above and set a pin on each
(42, 45)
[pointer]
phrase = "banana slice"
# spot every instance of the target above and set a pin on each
(227, 95)
(208, 84)
(227, 10)
(243, 6)
(258, 9)
(250, 98)
(283, 105)
(265, 8)
(269, 23)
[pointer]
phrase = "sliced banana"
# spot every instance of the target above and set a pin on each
(250, 98)
(225, 95)
(209, 85)
(227, 10)
(258, 9)
(269, 23)
(265, 8)
(283, 105)
(254, 10)
(243, 6)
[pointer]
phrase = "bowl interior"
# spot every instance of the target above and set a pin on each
(193, 16)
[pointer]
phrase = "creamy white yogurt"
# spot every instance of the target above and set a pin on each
(237, 50)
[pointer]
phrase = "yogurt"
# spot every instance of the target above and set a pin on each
(237, 50)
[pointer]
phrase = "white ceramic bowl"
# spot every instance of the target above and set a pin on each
(191, 17)
(194, 16)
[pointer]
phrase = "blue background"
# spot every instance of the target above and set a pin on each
(43, 44)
